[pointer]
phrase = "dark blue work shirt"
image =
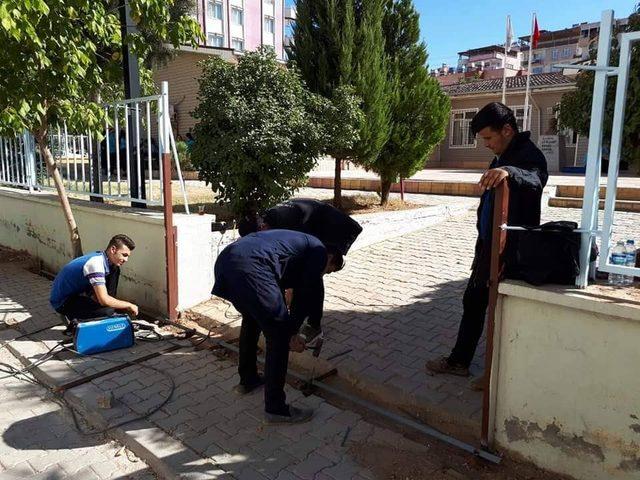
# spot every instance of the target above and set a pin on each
(252, 271)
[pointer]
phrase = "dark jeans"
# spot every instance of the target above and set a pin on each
(83, 307)
(474, 303)
(276, 359)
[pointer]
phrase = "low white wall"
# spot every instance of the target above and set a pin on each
(566, 384)
(35, 223)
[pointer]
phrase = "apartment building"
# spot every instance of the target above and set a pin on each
(568, 45)
(231, 28)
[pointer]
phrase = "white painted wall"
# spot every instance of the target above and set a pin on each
(35, 223)
(567, 387)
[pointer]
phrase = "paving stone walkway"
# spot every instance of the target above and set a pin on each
(398, 303)
(38, 439)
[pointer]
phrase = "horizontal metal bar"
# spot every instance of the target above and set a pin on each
(432, 432)
(522, 229)
(107, 196)
(593, 68)
(133, 100)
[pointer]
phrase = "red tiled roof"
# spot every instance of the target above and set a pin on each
(541, 80)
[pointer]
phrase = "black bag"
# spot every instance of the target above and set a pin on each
(548, 253)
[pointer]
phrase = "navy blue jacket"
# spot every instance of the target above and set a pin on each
(252, 272)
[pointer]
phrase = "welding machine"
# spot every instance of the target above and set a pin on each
(103, 334)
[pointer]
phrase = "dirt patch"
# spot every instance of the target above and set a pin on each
(7, 255)
(438, 462)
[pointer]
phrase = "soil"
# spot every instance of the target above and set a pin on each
(8, 255)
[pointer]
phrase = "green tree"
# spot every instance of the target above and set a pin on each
(257, 134)
(371, 81)
(419, 108)
(323, 52)
(575, 107)
(59, 55)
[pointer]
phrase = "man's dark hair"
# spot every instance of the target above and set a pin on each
(121, 240)
(494, 115)
(338, 258)
(248, 224)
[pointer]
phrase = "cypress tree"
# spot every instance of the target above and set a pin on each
(419, 108)
(322, 51)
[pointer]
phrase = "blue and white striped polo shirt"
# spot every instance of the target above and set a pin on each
(78, 276)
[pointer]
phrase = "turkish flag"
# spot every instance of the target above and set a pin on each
(536, 33)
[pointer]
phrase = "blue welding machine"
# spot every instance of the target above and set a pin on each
(103, 334)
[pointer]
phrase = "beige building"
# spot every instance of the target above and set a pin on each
(460, 149)
(182, 72)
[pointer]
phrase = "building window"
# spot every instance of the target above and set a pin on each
(460, 135)
(238, 44)
(537, 70)
(567, 52)
(214, 10)
(237, 15)
(554, 54)
(518, 111)
(215, 40)
(269, 25)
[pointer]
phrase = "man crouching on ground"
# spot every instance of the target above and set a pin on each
(252, 273)
(86, 287)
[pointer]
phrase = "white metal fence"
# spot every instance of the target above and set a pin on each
(123, 162)
(603, 71)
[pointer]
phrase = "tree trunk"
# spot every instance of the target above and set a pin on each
(76, 243)
(337, 185)
(385, 188)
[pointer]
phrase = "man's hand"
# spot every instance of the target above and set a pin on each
(492, 178)
(288, 296)
(297, 344)
(133, 309)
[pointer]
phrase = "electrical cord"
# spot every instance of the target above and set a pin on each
(143, 416)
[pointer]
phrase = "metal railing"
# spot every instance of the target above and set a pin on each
(121, 162)
(602, 71)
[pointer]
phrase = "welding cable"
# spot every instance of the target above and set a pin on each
(143, 416)
(12, 371)
(5, 344)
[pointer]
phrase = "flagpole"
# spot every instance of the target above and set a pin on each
(504, 65)
(525, 121)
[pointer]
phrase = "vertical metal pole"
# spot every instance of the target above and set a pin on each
(131, 90)
(616, 138)
(116, 141)
(498, 242)
(170, 240)
(149, 163)
(590, 200)
(402, 189)
(107, 147)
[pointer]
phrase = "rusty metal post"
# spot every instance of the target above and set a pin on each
(169, 229)
(498, 242)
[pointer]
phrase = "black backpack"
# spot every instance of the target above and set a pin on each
(548, 253)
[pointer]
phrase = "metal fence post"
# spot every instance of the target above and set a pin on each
(30, 160)
(591, 200)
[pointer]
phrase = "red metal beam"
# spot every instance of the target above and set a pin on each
(498, 242)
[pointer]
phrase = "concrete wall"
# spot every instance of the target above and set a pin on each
(35, 223)
(566, 384)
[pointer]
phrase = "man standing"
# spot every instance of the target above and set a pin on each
(86, 287)
(519, 162)
(335, 229)
(252, 274)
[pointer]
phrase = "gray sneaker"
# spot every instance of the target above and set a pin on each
(296, 415)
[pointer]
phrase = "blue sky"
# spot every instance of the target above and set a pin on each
(451, 26)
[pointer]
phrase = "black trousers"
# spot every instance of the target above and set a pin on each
(83, 307)
(474, 303)
(276, 359)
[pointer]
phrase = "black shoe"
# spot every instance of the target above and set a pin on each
(296, 415)
(245, 388)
